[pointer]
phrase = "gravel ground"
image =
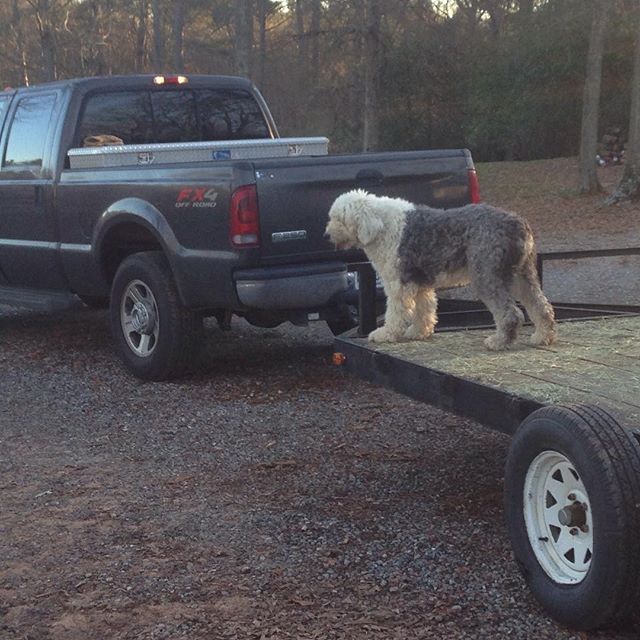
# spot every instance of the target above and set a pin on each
(268, 496)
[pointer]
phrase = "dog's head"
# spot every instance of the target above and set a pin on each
(353, 220)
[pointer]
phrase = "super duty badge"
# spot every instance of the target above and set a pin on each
(285, 236)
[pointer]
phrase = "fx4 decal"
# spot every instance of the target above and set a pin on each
(197, 197)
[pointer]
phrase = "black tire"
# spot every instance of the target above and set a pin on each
(606, 458)
(178, 332)
(94, 302)
(344, 321)
(341, 326)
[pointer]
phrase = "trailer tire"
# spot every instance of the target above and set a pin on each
(572, 482)
(156, 336)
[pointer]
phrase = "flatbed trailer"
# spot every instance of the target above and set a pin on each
(572, 477)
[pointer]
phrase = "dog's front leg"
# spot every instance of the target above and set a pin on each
(399, 314)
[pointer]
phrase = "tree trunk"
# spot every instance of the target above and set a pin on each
(177, 35)
(44, 20)
(629, 186)
(472, 13)
(262, 42)
(301, 38)
(497, 12)
(158, 37)
(525, 7)
(316, 8)
(49, 66)
(18, 33)
(99, 23)
(140, 25)
(589, 182)
(371, 75)
(243, 22)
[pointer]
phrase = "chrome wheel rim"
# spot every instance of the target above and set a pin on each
(558, 518)
(139, 318)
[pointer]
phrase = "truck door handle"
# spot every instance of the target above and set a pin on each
(369, 178)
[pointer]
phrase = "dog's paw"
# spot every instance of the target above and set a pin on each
(543, 338)
(496, 343)
(382, 335)
(417, 333)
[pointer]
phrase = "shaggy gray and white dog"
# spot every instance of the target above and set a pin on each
(416, 249)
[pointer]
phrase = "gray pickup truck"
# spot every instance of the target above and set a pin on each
(195, 207)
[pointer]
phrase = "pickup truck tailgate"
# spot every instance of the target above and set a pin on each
(295, 194)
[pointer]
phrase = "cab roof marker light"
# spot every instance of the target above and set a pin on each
(160, 80)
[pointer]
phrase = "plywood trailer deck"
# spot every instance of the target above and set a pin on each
(595, 360)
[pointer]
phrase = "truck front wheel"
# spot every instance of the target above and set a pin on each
(156, 336)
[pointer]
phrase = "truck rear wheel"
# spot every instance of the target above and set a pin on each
(156, 336)
(572, 496)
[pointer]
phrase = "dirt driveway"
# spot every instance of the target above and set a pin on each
(268, 496)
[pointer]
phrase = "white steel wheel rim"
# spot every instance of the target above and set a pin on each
(139, 318)
(558, 518)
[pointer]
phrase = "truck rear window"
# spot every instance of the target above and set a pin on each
(230, 115)
(142, 117)
(125, 114)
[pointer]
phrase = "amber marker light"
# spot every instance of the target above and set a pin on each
(339, 358)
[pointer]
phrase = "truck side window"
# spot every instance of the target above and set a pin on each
(124, 114)
(230, 115)
(27, 136)
(174, 115)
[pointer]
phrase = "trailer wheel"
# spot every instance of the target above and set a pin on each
(572, 505)
(156, 336)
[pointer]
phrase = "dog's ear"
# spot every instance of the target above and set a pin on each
(369, 225)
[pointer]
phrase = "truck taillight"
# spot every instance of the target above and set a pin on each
(474, 186)
(244, 220)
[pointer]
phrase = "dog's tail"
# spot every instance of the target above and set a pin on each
(527, 289)
(529, 253)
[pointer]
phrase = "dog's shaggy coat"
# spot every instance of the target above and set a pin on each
(416, 249)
